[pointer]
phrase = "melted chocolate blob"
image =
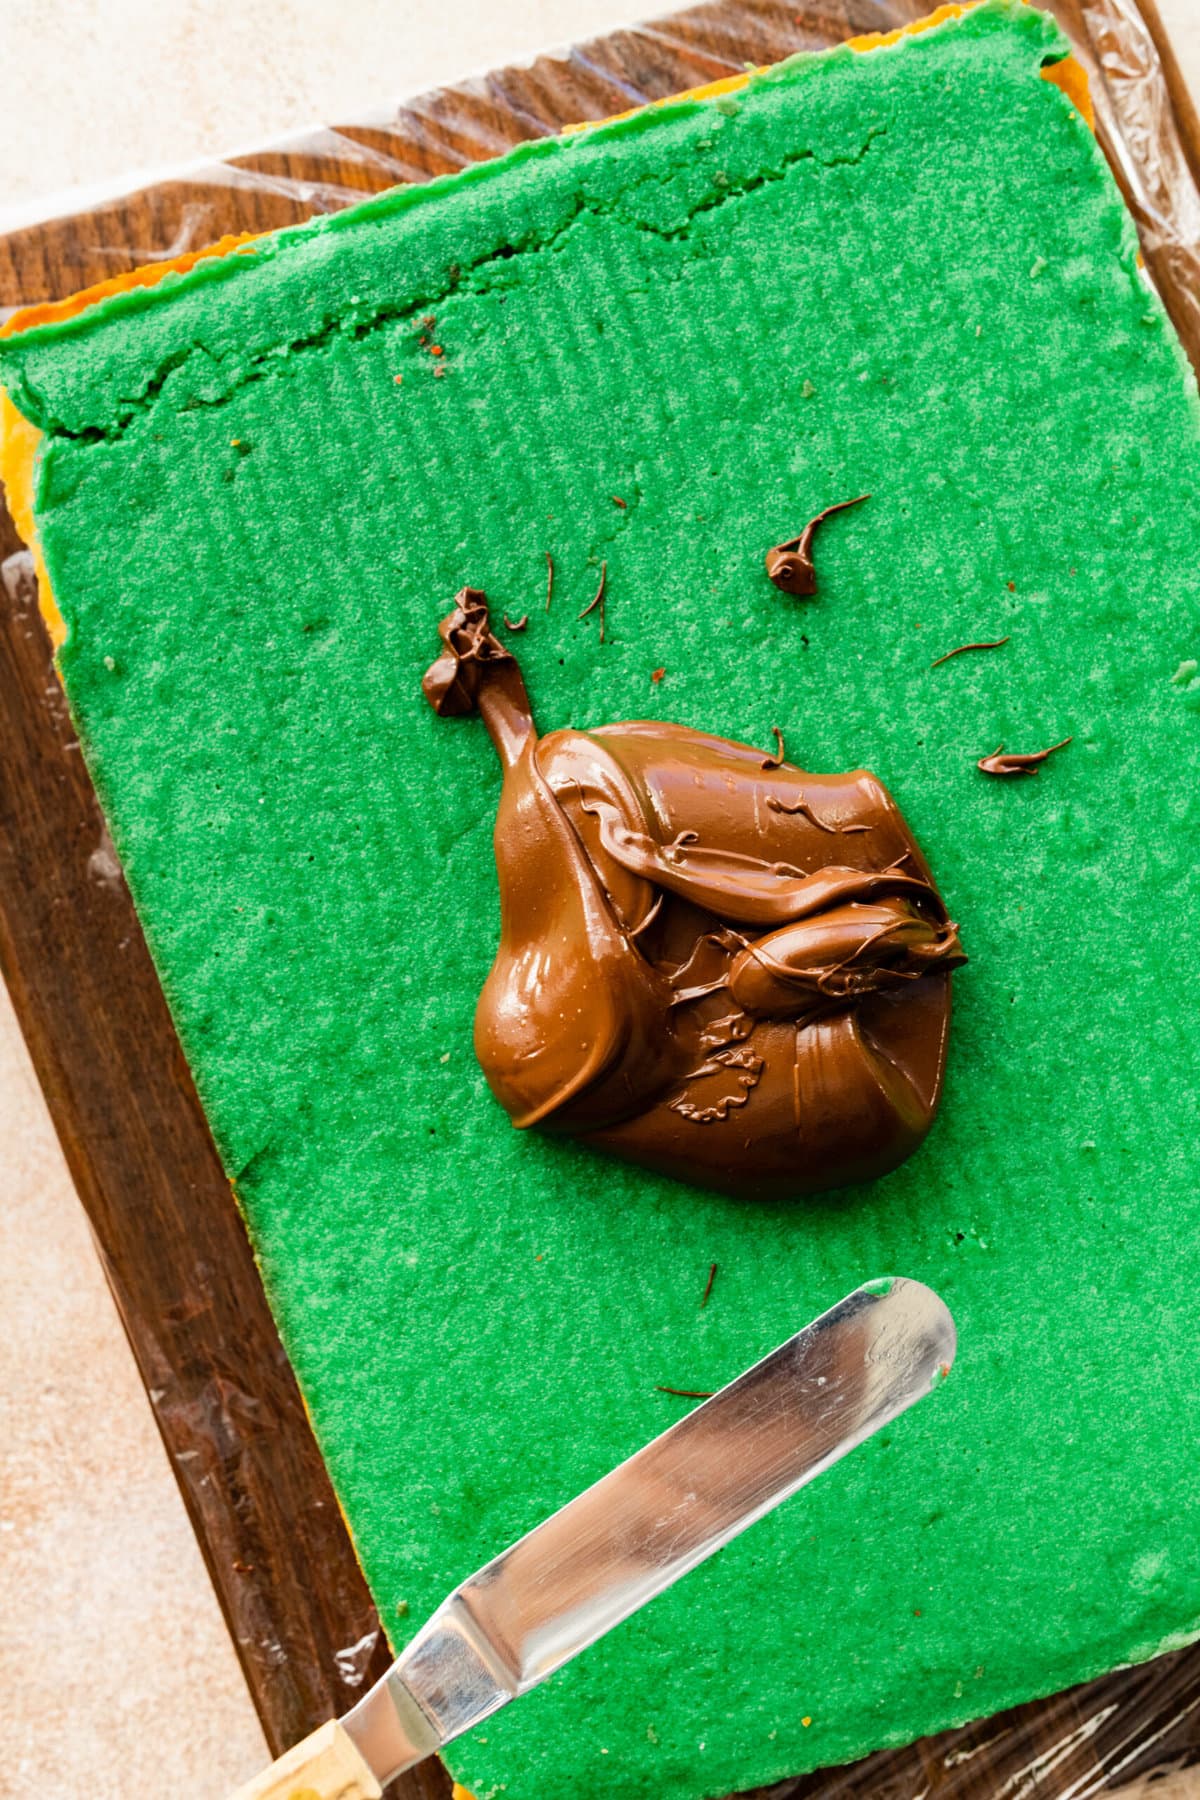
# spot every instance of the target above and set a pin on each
(733, 974)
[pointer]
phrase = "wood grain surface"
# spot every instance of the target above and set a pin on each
(100, 1035)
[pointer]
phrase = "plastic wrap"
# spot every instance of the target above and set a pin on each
(1098, 1738)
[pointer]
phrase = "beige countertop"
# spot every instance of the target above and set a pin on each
(119, 1679)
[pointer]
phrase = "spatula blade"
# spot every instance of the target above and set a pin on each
(671, 1505)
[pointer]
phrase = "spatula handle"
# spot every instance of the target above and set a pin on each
(325, 1766)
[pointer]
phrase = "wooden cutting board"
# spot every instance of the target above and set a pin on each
(102, 1042)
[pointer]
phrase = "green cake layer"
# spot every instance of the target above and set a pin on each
(907, 273)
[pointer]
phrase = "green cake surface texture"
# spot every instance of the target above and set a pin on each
(907, 273)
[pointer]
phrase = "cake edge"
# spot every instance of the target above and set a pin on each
(21, 439)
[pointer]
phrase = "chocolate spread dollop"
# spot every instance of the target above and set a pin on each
(727, 970)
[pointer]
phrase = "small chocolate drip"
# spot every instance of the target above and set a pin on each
(791, 566)
(802, 810)
(475, 673)
(775, 761)
(1001, 762)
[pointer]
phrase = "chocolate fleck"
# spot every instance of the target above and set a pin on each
(791, 566)
(597, 599)
(1002, 762)
(961, 650)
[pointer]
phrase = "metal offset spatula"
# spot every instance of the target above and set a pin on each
(630, 1536)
